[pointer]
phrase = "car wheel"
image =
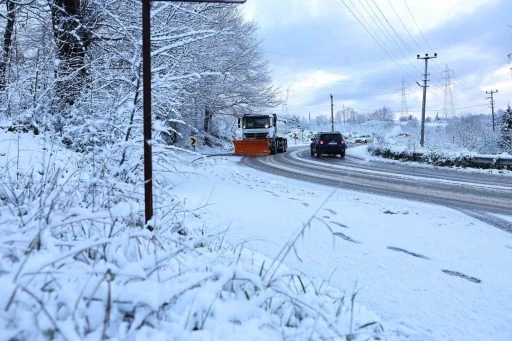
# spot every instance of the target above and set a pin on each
(312, 152)
(342, 154)
(318, 154)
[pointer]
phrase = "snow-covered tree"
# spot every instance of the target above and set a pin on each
(74, 66)
(382, 114)
(505, 141)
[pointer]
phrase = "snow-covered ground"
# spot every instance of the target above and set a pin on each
(430, 272)
(77, 264)
(425, 272)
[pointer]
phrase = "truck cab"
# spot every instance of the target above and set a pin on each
(267, 129)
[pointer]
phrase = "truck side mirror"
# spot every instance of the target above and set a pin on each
(239, 123)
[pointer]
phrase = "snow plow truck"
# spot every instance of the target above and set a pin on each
(262, 135)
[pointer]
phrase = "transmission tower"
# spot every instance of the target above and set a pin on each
(510, 54)
(403, 93)
(285, 101)
(448, 107)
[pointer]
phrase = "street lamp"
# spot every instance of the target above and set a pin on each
(146, 70)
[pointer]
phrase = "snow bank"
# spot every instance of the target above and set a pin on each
(77, 264)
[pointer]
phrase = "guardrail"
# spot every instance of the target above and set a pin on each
(497, 161)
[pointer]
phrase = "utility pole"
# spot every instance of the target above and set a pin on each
(147, 93)
(424, 86)
(344, 120)
(492, 92)
(332, 114)
(448, 95)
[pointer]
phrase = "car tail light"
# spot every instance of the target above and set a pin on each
(321, 142)
(342, 142)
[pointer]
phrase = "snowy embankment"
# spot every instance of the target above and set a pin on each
(402, 149)
(77, 264)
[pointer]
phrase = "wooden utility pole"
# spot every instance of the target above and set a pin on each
(146, 70)
(424, 103)
(332, 114)
(492, 92)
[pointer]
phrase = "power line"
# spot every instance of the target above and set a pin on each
(423, 36)
(385, 34)
(400, 38)
(315, 61)
(383, 28)
(405, 26)
(371, 34)
(415, 23)
(365, 109)
(389, 24)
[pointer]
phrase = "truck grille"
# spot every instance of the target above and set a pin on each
(256, 136)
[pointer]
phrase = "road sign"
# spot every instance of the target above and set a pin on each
(193, 141)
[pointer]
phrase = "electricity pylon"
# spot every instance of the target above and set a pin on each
(403, 93)
(448, 107)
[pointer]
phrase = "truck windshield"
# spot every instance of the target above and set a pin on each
(256, 122)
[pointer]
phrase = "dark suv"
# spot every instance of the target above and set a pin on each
(328, 143)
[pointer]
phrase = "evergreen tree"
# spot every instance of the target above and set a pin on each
(505, 142)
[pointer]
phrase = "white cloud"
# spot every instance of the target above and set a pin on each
(428, 14)
(270, 13)
(306, 84)
(501, 80)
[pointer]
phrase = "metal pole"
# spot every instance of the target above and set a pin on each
(146, 69)
(332, 115)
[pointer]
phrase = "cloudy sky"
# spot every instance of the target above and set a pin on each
(360, 51)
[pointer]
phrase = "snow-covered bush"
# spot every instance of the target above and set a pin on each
(77, 264)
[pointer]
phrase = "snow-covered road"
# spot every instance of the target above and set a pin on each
(470, 192)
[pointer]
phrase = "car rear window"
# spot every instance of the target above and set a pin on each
(330, 137)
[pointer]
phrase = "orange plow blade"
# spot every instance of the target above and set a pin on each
(252, 147)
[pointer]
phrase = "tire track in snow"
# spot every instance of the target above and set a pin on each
(473, 199)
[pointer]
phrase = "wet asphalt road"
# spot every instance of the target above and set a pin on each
(475, 194)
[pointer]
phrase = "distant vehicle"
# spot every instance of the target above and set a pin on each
(363, 139)
(331, 143)
(261, 135)
(403, 135)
